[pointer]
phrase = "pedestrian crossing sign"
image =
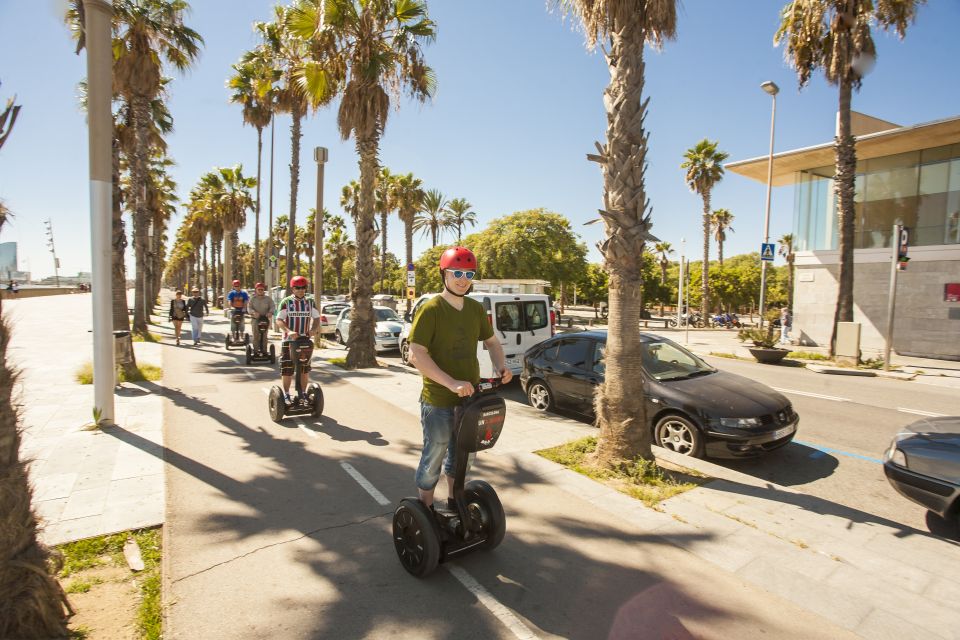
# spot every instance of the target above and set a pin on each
(767, 250)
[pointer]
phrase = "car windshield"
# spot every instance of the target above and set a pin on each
(666, 360)
(384, 315)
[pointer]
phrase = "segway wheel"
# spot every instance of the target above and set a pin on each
(315, 393)
(226, 343)
(415, 538)
(273, 354)
(246, 338)
(249, 354)
(277, 405)
(484, 504)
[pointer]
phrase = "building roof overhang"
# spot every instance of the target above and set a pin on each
(787, 164)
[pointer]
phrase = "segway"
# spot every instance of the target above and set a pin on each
(258, 351)
(307, 401)
(236, 337)
(425, 537)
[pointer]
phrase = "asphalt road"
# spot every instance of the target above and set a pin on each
(283, 531)
(846, 423)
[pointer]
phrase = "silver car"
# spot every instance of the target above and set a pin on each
(923, 465)
(388, 328)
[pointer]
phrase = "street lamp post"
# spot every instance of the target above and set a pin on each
(770, 87)
(683, 251)
(320, 155)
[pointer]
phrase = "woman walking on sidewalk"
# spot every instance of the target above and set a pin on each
(178, 313)
(197, 308)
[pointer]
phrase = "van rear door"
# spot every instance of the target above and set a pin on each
(519, 323)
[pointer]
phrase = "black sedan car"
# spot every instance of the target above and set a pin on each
(693, 408)
(923, 464)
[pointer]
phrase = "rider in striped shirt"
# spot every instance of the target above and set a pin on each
(297, 315)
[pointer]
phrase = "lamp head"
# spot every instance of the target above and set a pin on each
(770, 87)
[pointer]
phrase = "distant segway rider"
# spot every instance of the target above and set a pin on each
(260, 304)
(297, 315)
(443, 348)
(237, 299)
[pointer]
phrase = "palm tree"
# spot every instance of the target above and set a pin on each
(146, 33)
(33, 605)
(280, 238)
(384, 192)
(409, 195)
(628, 25)
(350, 199)
(231, 198)
(252, 86)
(720, 220)
(10, 112)
(663, 249)
(430, 219)
(786, 250)
(459, 214)
(835, 36)
(374, 48)
(340, 248)
(704, 165)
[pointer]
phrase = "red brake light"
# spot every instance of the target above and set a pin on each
(490, 318)
(553, 322)
(323, 319)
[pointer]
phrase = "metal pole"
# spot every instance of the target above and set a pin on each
(269, 252)
(320, 155)
(98, 15)
(686, 290)
(683, 250)
(892, 298)
(766, 215)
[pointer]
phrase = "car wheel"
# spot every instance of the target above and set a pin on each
(680, 435)
(339, 337)
(540, 396)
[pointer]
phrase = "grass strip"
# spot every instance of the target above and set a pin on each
(143, 372)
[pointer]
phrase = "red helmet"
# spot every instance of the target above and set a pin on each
(299, 281)
(259, 285)
(458, 258)
(236, 283)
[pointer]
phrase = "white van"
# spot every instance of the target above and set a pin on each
(520, 321)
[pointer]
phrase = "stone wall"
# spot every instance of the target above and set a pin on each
(34, 293)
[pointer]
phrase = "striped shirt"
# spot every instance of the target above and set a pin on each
(297, 313)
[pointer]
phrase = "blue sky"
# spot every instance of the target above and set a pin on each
(519, 105)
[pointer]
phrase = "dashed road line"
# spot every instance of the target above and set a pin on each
(307, 430)
(503, 614)
(812, 395)
(249, 375)
(929, 414)
(366, 484)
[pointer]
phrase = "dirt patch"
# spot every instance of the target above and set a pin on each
(109, 608)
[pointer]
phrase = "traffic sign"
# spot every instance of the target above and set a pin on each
(411, 278)
(904, 244)
(767, 251)
(273, 261)
(410, 266)
(409, 293)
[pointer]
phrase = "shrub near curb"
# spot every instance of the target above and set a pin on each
(144, 372)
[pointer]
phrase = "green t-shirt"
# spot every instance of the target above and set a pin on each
(450, 337)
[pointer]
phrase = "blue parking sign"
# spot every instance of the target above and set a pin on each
(767, 251)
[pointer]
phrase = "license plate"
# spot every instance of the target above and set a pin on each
(513, 363)
(780, 433)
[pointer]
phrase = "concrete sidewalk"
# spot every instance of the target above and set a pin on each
(873, 577)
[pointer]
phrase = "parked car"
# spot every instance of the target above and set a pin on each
(692, 408)
(388, 329)
(923, 465)
(520, 321)
(329, 311)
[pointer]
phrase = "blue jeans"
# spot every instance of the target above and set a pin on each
(438, 446)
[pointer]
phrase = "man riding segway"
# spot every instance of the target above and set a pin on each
(298, 318)
(261, 309)
(237, 303)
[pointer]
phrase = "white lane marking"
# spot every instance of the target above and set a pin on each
(303, 427)
(363, 482)
(266, 390)
(929, 414)
(507, 617)
(248, 374)
(812, 395)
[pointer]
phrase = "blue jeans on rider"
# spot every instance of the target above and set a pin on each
(439, 446)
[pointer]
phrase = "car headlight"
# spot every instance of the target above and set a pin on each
(896, 456)
(739, 423)
(384, 334)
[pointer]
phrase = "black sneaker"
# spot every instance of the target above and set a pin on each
(451, 504)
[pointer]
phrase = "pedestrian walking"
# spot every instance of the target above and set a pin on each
(178, 313)
(197, 308)
(786, 322)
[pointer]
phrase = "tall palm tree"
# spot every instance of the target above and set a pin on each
(32, 603)
(252, 86)
(430, 219)
(8, 117)
(340, 248)
(384, 192)
(704, 165)
(350, 199)
(835, 36)
(629, 25)
(786, 250)
(721, 221)
(409, 195)
(373, 48)
(280, 238)
(147, 32)
(231, 198)
(459, 214)
(663, 249)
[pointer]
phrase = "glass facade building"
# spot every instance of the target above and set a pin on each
(919, 189)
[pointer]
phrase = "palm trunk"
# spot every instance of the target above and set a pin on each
(705, 270)
(846, 159)
(227, 263)
(141, 212)
(383, 248)
(295, 135)
(339, 271)
(720, 252)
(619, 405)
(121, 321)
(32, 604)
(408, 241)
(433, 234)
(205, 274)
(362, 353)
(459, 231)
(790, 284)
(257, 274)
